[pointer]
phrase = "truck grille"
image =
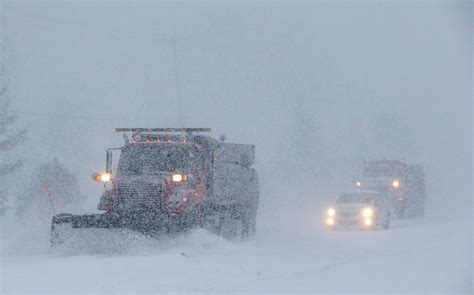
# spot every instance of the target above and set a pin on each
(139, 195)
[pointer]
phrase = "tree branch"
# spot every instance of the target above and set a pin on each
(7, 169)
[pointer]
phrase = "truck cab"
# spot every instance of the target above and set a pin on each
(403, 182)
(171, 179)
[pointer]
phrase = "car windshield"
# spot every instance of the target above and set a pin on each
(355, 198)
(153, 160)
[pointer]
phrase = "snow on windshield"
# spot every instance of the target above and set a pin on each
(137, 161)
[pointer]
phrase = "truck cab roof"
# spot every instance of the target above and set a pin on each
(362, 197)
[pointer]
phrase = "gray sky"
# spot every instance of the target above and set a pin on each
(314, 85)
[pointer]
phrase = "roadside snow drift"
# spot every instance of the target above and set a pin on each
(414, 256)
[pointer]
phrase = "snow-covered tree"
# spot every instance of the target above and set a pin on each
(305, 150)
(301, 142)
(10, 136)
(391, 137)
(52, 188)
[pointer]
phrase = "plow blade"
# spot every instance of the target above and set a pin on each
(62, 224)
(90, 234)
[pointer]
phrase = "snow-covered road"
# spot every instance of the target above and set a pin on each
(431, 255)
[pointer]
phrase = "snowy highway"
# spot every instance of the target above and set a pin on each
(416, 256)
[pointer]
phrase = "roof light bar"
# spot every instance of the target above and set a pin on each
(188, 130)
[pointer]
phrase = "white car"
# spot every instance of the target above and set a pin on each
(363, 209)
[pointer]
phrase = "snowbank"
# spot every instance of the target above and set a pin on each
(414, 256)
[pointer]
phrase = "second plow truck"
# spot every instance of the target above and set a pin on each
(171, 179)
(404, 183)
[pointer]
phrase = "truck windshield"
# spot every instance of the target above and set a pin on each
(383, 171)
(354, 198)
(153, 160)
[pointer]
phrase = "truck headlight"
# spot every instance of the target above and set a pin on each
(177, 200)
(395, 183)
(367, 212)
(331, 212)
(105, 177)
(179, 177)
(102, 177)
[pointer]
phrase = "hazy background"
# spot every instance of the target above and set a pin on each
(316, 86)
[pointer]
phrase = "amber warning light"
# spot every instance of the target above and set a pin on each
(102, 177)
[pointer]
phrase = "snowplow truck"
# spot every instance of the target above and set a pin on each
(171, 179)
(404, 183)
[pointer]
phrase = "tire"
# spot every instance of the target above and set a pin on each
(422, 210)
(249, 219)
(386, 224)
(238, 223)
(232, 224)
(212, 220)
(400, 212)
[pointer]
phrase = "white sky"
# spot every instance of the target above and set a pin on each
(308, 83)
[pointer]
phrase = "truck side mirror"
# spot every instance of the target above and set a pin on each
(108, 161)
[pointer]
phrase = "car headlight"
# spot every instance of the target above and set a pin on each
(368, 222)
(331, 212)
(395, 183)
(359, 183)
(330, 221)
(367, 212)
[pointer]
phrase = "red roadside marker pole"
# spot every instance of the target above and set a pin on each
(50, 198)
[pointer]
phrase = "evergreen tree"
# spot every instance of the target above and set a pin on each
(10, 137)
(391, 137)
(52, 188)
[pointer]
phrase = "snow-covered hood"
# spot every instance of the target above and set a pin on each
(342, 207)
(350, 208)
